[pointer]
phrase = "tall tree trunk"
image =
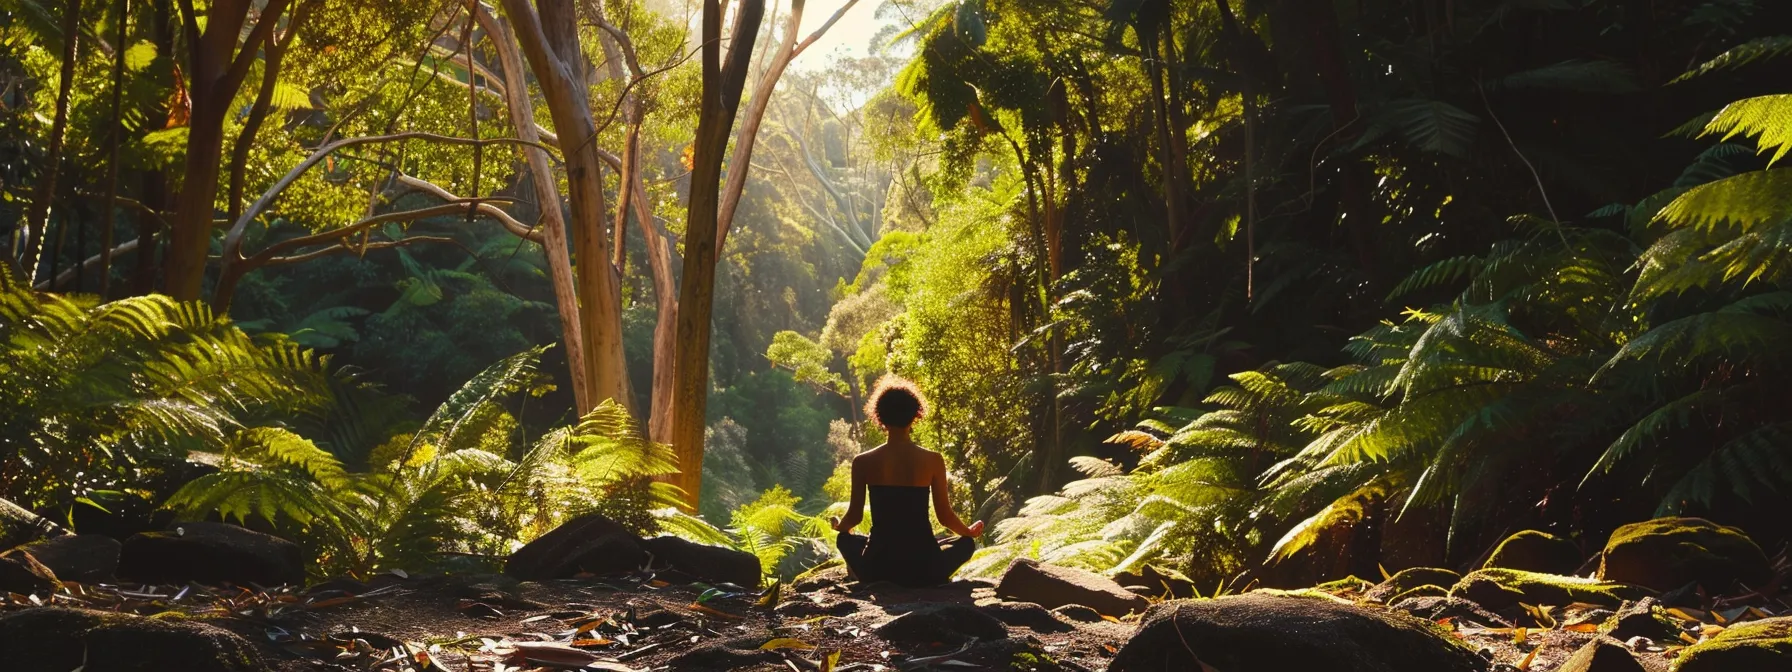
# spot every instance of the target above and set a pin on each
(720, 100)
(273, 54)
(547, 194)
(39, 214)
(550, 44)
(122, 16)
(215, 70)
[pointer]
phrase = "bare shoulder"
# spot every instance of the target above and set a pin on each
(869, 456)
(934, 459)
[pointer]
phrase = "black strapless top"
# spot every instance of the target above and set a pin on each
(902, 547)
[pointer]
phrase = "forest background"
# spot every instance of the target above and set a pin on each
(1257, 290)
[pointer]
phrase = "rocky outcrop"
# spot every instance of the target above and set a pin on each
(1264, 632)
(1759, 645)
(1051, 586)
(1534, 551)
(1667, 553)
(1602, 655)
(211, 553)
(1026, 615)
(1156, 582)
(1496, 589)
(590, 543)
(56, 639)
(83, 558)
(715, 564)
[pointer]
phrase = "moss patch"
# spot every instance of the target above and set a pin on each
(1534, 551)
(1667, 553)
(1500, 588)
(1757, 645)
(1406, 580)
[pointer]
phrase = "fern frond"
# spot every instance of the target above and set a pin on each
(1745, 200)
(1769, 117)
(1740, 55)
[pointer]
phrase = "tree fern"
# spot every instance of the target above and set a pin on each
(1766, 118)
(1741, 55)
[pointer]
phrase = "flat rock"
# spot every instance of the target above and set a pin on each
(1026, 615)
(20, 573)
(1497, 589)
(55, 639)
(1763, 646)
(709, 563)
(1602, 655)
(1266, 632)
(1643, 618)
(83, 558)
(1051, 586)
(950, 624)
(591, 543)
(211, 553)
(1667, 553)
(1535, 551)
(1438, 608)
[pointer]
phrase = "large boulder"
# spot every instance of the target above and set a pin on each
(211, 553)
(57, 639)
(1407, 580)
(83, 558)
(20, 573)
(1667, 553)
(949, 624)
(1764, 645)
(1534, 551)
(1266, 632)
(1497, 589)
(1051, 586)
(709, 563)
(591, 543)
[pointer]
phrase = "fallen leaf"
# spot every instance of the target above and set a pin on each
(787, 643)
(714, 612)
(1526, 663)
(829, 661)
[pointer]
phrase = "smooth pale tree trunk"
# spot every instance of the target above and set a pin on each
(549, 42)
(547, 194)
(215, 70)
(39, 215)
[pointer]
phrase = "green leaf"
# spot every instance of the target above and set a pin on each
(1769, 117)
(1740, 55)
(1745, 200)
(139, 56)
(1579, 76)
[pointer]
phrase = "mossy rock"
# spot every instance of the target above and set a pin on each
(1260, 631)
(1667, 553)
(1421, 591)
(1534, 551)
(1497, 589)
(1346, 585)
(1757, 645)
(57, 639)
(1406, 580)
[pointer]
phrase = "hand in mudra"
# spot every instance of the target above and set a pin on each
(977, 529)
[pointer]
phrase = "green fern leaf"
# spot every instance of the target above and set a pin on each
(1769, 117)
(1745, 200)
(1740, 55)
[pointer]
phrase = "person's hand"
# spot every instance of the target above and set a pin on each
(839, 525)
(976, 529)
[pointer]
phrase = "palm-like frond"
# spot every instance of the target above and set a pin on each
(1741, 55)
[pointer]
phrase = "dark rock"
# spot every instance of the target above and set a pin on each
(1078, 613)
(1439, 608)
(1154, 582)
(590, 543)
(1500, 588)
(1602, 655)
(1643, 618)
(83, 558)
(1026, 615)
(20, 573)
(1421, 591)
(211, 553)
(1534, 551)
(1763, 646)
(720, 656)
(709, 563)
(950, 624)
(56, 639)
(1265, 632)
(802, 608)
(820, 578)
(1667, 553)
(1407, 579)
(1051, 586)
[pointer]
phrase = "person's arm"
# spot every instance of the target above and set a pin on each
(942, 504)
(855, 510)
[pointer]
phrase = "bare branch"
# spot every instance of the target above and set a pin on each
(484, 206)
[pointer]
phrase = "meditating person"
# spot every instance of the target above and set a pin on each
(898, 477)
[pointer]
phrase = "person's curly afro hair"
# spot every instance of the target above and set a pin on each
(895, 402)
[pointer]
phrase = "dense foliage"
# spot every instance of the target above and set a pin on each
(1272, 290)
